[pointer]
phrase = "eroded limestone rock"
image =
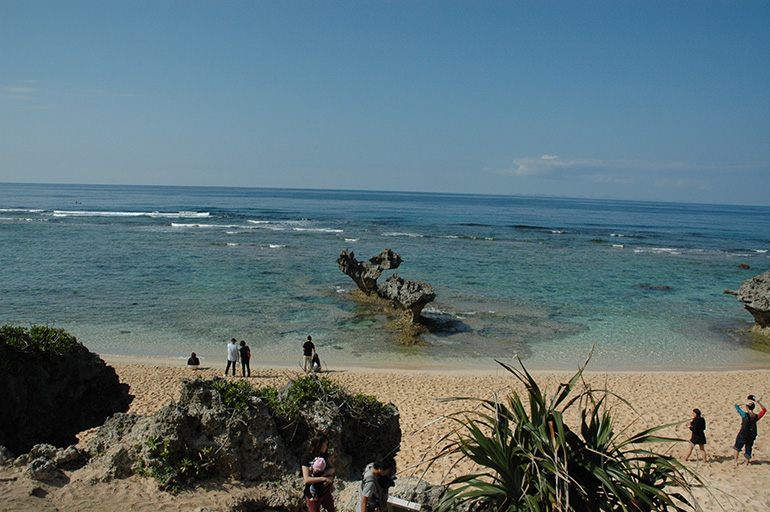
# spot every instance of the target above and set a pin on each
(754, 293)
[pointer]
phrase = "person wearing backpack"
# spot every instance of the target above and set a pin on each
(748, 432)
(376, 481)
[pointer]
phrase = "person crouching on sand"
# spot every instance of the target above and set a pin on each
(698, 438)
(193, 362)
(748, 431)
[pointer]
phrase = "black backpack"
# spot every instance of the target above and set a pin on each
(749, 427)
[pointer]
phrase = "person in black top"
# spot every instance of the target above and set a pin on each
(245, 358)
(193, 362)
(308, 349)
(698, 428)
(322, 485)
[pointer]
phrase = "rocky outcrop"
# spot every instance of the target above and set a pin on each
(201, 437)
(754, 293)
(365, 275)
(47, 398)
(407, 296)
(410, 296)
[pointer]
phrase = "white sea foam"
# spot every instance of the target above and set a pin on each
(761, 251)
(276, 246)
(619, 246)
(170, 215)
(660, 250)
(198, 225)
(20, 210)
(319, 230)
(556, 232)
(351, 239)
(399, 233)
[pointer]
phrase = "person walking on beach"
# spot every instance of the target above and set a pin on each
(377, 480)
(308, 351)
(232, 356)
(748, 432)
(245, 354)
(323, 485)
(698, 438)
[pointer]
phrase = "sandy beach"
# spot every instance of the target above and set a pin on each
(658, 398)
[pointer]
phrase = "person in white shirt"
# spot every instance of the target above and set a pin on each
(232, 356)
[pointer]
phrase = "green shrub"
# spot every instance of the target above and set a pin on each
(172, 467)
(531, 461)
(37, 340)
(235, 394)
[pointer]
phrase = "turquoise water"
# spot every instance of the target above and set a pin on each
(158, 272)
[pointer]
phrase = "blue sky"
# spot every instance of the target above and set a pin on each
(644, 100)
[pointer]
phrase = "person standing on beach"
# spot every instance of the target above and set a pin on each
(308, 350)
(748, 431)
(232, 356)
(245, 354)
(698, 428)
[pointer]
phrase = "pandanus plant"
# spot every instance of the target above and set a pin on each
(530, 460)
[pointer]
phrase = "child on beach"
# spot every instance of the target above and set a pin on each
(698, 438)
(318, 467)
(748, 432)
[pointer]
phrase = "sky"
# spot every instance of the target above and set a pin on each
(639, 100)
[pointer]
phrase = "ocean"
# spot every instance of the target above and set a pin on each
(155, 273)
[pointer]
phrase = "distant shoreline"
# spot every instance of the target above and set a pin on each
(475, 368)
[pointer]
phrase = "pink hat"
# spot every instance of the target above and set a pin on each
(319, 464)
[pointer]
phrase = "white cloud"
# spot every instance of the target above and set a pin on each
(612, 170)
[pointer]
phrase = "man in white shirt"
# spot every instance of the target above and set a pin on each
(232, 356)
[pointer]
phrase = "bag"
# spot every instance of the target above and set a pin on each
(374, 501)
(749, 427)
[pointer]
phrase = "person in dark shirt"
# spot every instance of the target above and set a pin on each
(308, 350)
(323, 485)
(748, 431)
(245, 358)
(698, 438)
(193, 362)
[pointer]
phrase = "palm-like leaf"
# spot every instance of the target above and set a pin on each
(532, 461)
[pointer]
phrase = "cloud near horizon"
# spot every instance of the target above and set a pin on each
(620, 171)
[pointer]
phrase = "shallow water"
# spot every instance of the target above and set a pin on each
(163, 271)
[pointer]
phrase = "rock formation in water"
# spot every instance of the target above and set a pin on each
(365, 275)
(408, 296)
(754, 293)
(50, 397)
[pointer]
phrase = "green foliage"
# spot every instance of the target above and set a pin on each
(532, 461)
(285, 406)
(37, 340)
(365, 406)
(170, 467)
(235, 394)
